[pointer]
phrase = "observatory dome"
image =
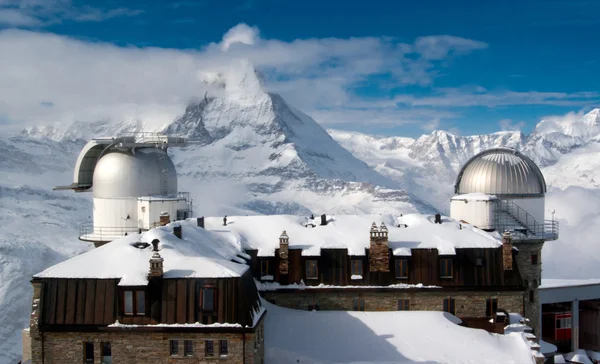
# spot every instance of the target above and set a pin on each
(148, 172)
(503, 172)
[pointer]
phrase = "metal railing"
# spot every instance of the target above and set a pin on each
(87, 232)
(508, 216)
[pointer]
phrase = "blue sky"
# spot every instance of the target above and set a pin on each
(465, 66)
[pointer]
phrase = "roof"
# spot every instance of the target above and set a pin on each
(501, 171)
(350, 231)
(548, 283)
(476, 196)
(200, 254)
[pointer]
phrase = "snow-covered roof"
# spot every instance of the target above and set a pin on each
(200, 254)
(350, 231)
(293, 336)
(556, 283)
(578, 356)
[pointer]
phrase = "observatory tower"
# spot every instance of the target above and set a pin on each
(134, 185)
(503, 190)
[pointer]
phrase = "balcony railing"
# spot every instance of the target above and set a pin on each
(509, 216)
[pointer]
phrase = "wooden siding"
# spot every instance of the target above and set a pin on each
(423, 267)
(79, 302)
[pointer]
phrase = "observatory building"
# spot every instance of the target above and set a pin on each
(134, 185)
(503, 190)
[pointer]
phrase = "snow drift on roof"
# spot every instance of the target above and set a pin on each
(475, 196)
(200, 254)
(349, 231)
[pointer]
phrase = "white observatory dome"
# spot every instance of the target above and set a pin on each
(148, 172)
(503, 172)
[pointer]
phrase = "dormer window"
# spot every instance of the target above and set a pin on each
(134, 303)
(265, 270)
(208, 299)
(401, 268)
(312, 269)
(357, 267)
(446, 269)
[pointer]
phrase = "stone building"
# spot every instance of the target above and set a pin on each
(159, 297)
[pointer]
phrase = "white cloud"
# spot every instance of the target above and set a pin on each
(509, 125)
(478, 96)
(431, 125)
(47, 78)
(440, 46)
(241, 33)
(40, 13)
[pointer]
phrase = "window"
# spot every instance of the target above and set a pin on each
(174, 347)
(356, 267)
(479, 262)
(188, 348)
(88, 352)
(491, 306)
(208, 299)
(358, 304)
(446, 268)
(312, 270)
(134, 303)
(534, 259)
(449, 305)
(209, 349)
(265, 268)
(223, 350)
(531, 297)
(401, 268)
(404, 305)
(106, 353)
(140, 298)
(566, 323)
(313, 304)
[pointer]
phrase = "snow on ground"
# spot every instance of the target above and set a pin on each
(294, 336)
(350, 231)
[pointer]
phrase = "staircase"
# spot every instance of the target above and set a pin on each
(162, 164)
(508, 216)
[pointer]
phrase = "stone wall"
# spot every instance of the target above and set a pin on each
(130, 347)
(467, 304)
(532, 274)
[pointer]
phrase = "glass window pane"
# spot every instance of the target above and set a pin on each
(209, 349)
(88, 352)
(141, 302)
(174, 347)
(188, 348)
(106, 353)
(128, 302)
(208, 299)
(223, 350)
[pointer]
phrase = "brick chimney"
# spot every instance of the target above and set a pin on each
(156, 262)
(379, 252)
(165, 218)
(284, 244)
(507, 247)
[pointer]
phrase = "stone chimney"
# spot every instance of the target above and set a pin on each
(165, 218)
(284, 244)
(156, 262)
(507, 247)
(379, 252)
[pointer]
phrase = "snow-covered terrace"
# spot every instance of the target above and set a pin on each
(417, 231)
(199, 254)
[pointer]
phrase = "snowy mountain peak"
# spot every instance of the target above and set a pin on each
(577, 125)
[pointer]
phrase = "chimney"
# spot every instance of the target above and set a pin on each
(438, 218)
(284, 244)
(323, 220)
(200, 222)
(225, 220)
(156, 262)
(507, 248)
(165, 218)
(379, 252)
(177, 231)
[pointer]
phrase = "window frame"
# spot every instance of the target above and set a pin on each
(135, 302)
(401, 268)
(201, 304)
(186, 353)
(103, 351)
(358, 304)
(491, 307)
(264, 273)
(449, 305)
(176, 351)
(404, 304)
(223, 353)
(212, 348)
(314, 263)
(356, 267)
(86, 351)
(446, 266)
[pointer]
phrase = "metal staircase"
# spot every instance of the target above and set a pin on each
(508, 216)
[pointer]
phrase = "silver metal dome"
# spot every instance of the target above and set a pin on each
(501, 172)
(148, 172)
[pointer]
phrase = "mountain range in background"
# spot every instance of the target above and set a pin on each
(260, 155)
